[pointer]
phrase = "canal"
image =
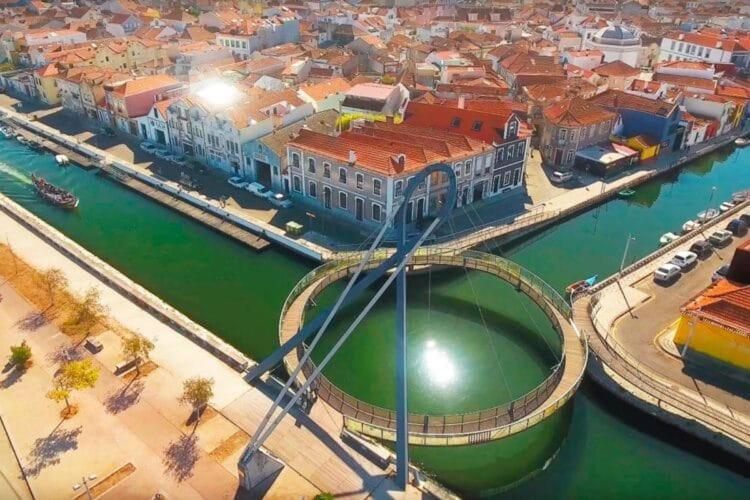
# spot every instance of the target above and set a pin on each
(606, 449)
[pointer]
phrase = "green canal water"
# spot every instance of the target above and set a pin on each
(606, 449)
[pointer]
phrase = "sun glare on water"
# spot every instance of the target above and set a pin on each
(438, 365)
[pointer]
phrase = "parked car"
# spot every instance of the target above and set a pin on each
(558, 177)
(237, 182)
(280, 200)
(148, 147)
(666, 273)
(177, 159)
(720, 238)
(737, 227)
(161, 152)
(702, 249)
(684, 259)
(259, 190)
(720, 273)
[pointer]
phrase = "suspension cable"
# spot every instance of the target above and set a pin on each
(484, 323)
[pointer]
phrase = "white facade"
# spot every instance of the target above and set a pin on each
(617, 43)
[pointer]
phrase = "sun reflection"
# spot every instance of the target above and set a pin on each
(437, 364)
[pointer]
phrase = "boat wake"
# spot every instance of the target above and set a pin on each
(15, 173)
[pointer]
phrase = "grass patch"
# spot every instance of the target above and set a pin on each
(230, 445)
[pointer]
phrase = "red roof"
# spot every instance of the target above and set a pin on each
(725, 303)
(577, 112)
(483, 120)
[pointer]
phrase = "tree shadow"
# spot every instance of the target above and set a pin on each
(121, 399)
(33, 321)
(12, 377)
(181, 456)
(64, 353)
(47, 450)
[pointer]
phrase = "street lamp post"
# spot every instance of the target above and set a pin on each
(84, 481)
(619, 275)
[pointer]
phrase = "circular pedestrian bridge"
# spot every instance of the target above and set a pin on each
(445, 430)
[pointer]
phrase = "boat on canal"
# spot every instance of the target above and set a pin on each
(62, 160)
(7, 132)
(667, 238)
(742, 141)
(707, 215)
(626, 193)
(690, 225)
(581, 286)
(726, 206)
(53, 194)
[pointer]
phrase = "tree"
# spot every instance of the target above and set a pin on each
(197, 392)
(74, 376)
(54, 279)
(20, 355)
(136, 347)
(87, 313)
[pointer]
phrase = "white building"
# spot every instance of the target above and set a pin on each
(617, 43)
(712, 49)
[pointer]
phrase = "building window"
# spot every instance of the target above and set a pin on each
(457, 169)
(295, 160)
(398, 188)
(520, 149)
(671, 47)
(682, 45)
(342, 200)
(360, 179)
(500, 152)
(376, 187)
(476, 126)
(456, 122)
(312, 189)
(311, 165)
(563, 134)
(511, 151)
(467, 167)
(296, 184)
(506, 178)
(708, 53)
(572, 135)
(376, 212)
(342, 175)
(327, 170)
(570, 157)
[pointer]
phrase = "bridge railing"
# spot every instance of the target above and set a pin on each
(662, 389)
(428, 428)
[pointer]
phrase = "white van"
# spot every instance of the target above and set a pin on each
(558, 177)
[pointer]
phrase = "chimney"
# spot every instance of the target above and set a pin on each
(352, 157)
(461, 102)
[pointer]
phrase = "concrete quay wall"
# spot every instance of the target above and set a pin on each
(128, 288)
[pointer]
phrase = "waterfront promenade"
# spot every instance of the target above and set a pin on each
(147, 428)
(624, 319)
(492, 222)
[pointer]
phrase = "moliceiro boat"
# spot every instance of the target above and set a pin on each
(54, 194)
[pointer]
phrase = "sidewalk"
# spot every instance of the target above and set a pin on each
(104, 436)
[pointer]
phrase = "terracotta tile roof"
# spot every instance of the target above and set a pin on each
(706, 39)
(577, 112)
(444, 114)
(617, 99)
(378, 146)
(686, 81)
(320, 91)
(725, 303)
(145, 84)
(616, 68)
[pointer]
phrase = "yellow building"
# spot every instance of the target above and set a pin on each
(646, 148)
(45, 80)
(717, 324)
